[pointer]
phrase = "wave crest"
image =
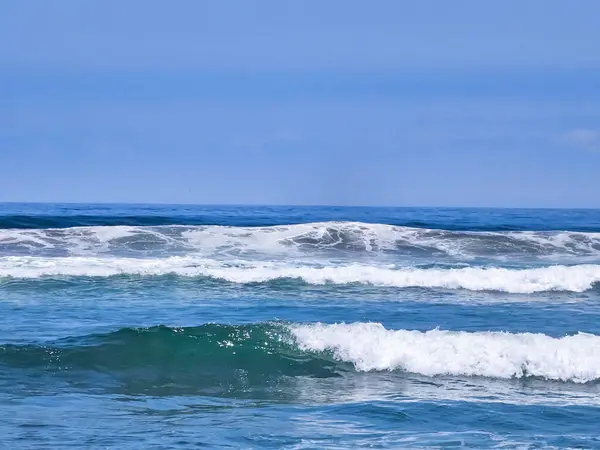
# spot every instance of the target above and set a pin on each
(370, 347)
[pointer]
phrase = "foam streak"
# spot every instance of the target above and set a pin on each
(577, 278)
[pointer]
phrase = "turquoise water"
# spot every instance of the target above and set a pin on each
(136, 326)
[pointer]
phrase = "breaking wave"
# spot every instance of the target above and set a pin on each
(215, 355)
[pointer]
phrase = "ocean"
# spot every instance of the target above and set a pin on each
(156, 327)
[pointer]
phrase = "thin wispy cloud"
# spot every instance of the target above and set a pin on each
(583, 139)
(282, 137)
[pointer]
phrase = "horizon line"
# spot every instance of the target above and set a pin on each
(286, 205)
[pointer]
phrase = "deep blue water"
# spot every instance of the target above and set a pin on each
(140, 326)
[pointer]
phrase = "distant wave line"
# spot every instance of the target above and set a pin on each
(338, 237)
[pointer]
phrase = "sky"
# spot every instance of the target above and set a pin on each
(399, 103)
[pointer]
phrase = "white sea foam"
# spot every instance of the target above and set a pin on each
(371, 347)
(577, 278)
(292, 239)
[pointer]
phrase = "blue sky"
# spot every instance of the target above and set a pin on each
(462, 103)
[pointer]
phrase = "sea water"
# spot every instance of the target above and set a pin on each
(137, 326)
